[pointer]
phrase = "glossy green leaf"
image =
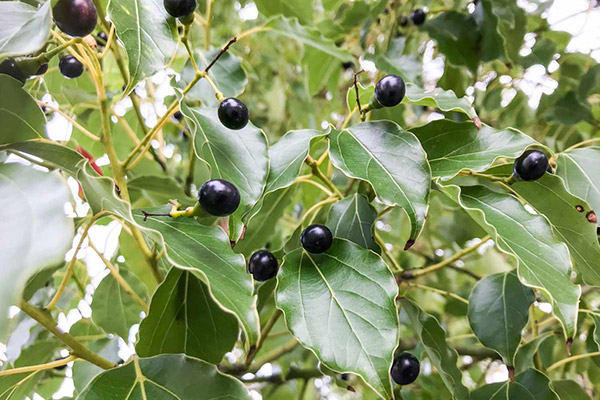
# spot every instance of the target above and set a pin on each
(22, 119)
(569, 390)
(352, 218)
(456, 37)
(239, 156)
(183, 318)
(291, 28)
(148, 33)
(510, 22)
(502, 391)
(340, 304)
(302, 9)
(165, 377)
(577, 167)
(543, 261)
(526, 352)
(442, 356)
(163, 187)
(206, 251)
(24, 29)
(445, 100)
(394, 61)
(498, 312)
(113, 309)
(537, 384)
(33, 234)
(569, 218)
(287, 157)
(369, 151)
(452, 146)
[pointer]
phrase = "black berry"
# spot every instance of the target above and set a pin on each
(233, 113)
(403, 21)
(262, 265)
(180, 8)
(60, 368)
(102, 38)
(178, 115)
(390, 90)
(532, 165)
(219, 198)
(549, 169)
(10, 67)
(316, 239)
(70, 67)
(41, 70)
(418, 16)
(405, 369)
(75, 17)
(347, 65)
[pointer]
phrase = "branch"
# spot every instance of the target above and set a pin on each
(293, 373)
(41, 367)
(572, 358)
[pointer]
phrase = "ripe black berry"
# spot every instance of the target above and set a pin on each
(403, 21)
(390, 90)
(75, 17)
(180, 8)
(418, 16)
(41, 70)
(10, 67)
(178, 115)
(405, 369)
(316, 239)
(262, 265)
(549, 169)
(70, 67)
(103, 39)
(532, 165)
(219, 198)
(233, 113)
(347, 65)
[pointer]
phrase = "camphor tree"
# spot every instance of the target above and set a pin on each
(213, 200)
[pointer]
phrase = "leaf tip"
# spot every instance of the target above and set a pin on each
(409, 244)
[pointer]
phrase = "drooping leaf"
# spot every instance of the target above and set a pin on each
(148, 34)
(165, 377)
(352, 218)
(498, 312)
(569, 390)
(24, 29)
(183, 318)
(340, 304)
(543, 261)
(34, 234)
(577, 167)
(370, 151)
(22, 119)
(239, 157)
(445, 100)
(453, 146)
(113, 309)
(302, 9)
(569, 216)
(442, 356)
(537, 384)
(206, 251)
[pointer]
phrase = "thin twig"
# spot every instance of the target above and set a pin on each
(40, 367)
(223, 50)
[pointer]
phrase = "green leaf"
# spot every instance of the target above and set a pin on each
(165, 377)
(148, 34)
(369, 151)
(27, 224)
(206, 251)
(352, 218)
(543, 261)
(23, 29)
(183, 318)
(287, 157)
(456, 37)
(498, 312)
(569, 218)
(320, 68)
(340, 304)
(569, 390)
(444, 100)
(502, 391)
(455, 146)
(577, 167)
(505, 26)
(537, 384)
(302, 9)
(22, 119)
(525, 353)
(163, 187)
(239, 156)
(433, 338)
(113, 309)
(291, 28)
(394, 61)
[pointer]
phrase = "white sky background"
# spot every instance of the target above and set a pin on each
(565, 15)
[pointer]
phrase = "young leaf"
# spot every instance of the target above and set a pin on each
(369, 151)
(498, 312)
(172, 376)
(577, 167)
(27, 226)
(148, 34)
(454, 146)
(543, 261)
(183, 318)
(206, 251)
(22, 119)
(340, 304)
(352, 218)
(23, 28)
(442, 356)
(445, 100)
